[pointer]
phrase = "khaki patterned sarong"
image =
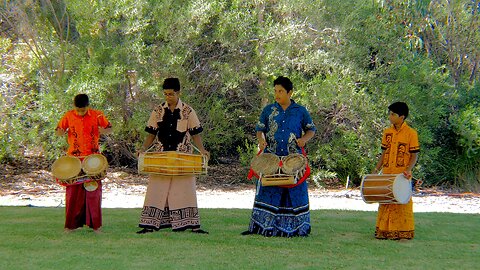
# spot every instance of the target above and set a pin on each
(171, 201)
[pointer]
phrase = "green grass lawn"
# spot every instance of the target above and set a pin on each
(33, 238)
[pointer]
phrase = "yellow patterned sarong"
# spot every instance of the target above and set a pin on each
(395, 221)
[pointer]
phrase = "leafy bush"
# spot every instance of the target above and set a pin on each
(348, 61)
(247, 152)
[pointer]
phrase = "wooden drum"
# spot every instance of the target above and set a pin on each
(386, 189)
(172, 163)
(277, 180)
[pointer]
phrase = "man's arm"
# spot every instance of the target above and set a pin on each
(305, 138)
(262, 142)
(147, 143)
(379, 164)
(413, 161)
(197, 141)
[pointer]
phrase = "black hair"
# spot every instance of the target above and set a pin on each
(399, 108)
(285, 82)
(171, 83)
(81, 101)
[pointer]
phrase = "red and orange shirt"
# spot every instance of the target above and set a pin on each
(399, 146)
(83, 133)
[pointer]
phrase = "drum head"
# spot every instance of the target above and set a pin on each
(265, 163)
(66, 167)
(90, 186)
(294, 163)
(402, 189)
(94, 164)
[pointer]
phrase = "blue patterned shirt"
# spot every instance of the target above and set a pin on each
(283, 127)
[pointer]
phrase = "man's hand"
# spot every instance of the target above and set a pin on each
(104, 130)
(301, 142)
(60, 131)
(407, 174)
(205, 153)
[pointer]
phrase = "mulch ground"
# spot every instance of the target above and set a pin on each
(32, 176)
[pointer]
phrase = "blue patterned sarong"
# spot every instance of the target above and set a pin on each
(281, 211)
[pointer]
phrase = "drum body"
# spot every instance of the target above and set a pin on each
(172, 163)
(276, 171)
(66, 169)
(277, 180)
(95, 166)
(386, 189)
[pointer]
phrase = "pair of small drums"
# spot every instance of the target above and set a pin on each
(386, 189)
(276, 171)
(69, 170)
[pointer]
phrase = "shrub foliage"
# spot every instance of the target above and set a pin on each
(348, 60)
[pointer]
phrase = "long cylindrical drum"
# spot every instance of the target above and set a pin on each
(172, 163)
(386, 189)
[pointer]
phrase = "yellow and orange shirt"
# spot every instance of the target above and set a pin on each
(83, 133)
(398, 146)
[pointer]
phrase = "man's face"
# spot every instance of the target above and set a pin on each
(81, 111)
(281, 95)
(171, 96)
(394, 118)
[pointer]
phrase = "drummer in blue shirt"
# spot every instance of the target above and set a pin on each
(284, 128)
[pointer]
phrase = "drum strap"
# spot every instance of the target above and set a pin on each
(251, 172)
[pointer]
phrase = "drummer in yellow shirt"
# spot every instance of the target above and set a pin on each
(400, 150)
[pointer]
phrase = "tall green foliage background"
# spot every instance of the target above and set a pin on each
(348, 60)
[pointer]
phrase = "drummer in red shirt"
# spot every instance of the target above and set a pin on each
(83, 127)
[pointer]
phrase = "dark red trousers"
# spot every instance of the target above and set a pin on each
(83, 207)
